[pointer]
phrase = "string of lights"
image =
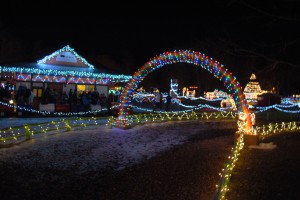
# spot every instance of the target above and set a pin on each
(223, 184)
(26, 109)
(277, 107)
(12, 134)
(263, 132)
(275, 128)
(169, 116)
(25, 71)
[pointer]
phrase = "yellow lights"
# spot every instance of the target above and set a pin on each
(252, 90)
(273, 128)
(252, 77)
(11, 101)
(27, 131)
(263, 131)
(222, 186)
(242, 123)
(252, 116)
(189, 93)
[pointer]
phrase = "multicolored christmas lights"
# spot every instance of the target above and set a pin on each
(185, 56)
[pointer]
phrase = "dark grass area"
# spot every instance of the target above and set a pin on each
(273, 116)
(268, 174)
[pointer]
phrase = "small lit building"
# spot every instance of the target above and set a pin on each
(252, 90)
(61, 71)
(216, 94)
(229, 104)
(189, 91)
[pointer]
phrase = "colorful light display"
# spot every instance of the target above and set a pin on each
(184, 56)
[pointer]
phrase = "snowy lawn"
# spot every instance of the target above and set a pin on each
(98, 148)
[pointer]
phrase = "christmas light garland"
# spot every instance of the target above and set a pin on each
(171, 116)
(72, 73)
(10, 135)
(282, 108)
(225, 174)
(26, 109)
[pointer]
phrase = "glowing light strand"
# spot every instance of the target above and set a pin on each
(13, 134)
(222, 186)
(120, 77)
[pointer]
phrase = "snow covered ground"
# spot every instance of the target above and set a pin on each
(13, 121)
(99, 148)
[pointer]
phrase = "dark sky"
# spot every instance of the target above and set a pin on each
(247, 38)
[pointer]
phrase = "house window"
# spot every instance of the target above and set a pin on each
(38, 92)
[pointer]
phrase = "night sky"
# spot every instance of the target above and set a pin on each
(245, 37)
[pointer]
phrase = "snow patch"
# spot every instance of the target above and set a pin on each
(269, 145)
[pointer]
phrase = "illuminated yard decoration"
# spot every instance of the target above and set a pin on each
(184, 56)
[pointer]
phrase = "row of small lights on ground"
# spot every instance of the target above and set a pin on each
(18, 132)
(12, 133)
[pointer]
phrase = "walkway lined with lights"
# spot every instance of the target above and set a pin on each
(11, 134)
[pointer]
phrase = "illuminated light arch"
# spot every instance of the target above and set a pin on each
(184, 56)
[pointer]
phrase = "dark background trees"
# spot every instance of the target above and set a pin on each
(261, 38)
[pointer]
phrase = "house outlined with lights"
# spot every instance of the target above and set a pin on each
(61, 71)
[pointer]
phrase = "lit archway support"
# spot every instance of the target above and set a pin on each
(184, 56)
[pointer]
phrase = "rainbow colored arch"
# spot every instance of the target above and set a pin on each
(184, 56)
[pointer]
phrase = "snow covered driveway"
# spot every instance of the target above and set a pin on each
(98, 148)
